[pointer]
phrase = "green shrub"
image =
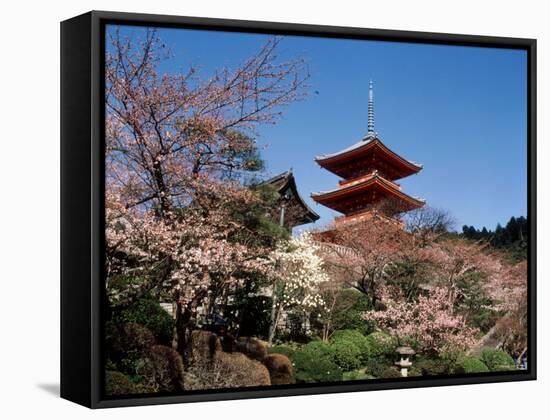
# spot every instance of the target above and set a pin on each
(318, 349)
(472, 365)
(348, 310)
(286, 350)
(377, 365)
(497, 360)
(311, 366)
(356, 375)
(434, 366)
(346, 355)
(148, 312)
(116, 383)
(355, 338)
(128, 343)
(381, 344)
(414, 371)
(391, 372)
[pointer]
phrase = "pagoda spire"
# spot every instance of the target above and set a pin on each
(370, 119)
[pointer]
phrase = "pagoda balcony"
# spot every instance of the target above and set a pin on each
(366, 216)
(354, 181)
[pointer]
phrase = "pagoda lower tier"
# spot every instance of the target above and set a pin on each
(358, 199)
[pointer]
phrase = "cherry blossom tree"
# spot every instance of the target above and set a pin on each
(360, 255)
(509, 292)
(452, 260)
(176, 147)
(429, 323)
(297, 274)
(163, 130)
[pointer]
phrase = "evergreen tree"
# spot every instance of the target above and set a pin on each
(512, 237)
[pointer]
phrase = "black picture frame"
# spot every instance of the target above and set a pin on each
(82, 204)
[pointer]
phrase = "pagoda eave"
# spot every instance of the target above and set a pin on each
(372, 186)
(341, 162)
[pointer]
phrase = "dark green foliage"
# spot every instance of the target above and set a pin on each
(251, 313)
(497, 360)
(287, 351)
(391, 372)
(116, 383)
(432, 367)
(127, 344)
(436, 365)
(311, 363)
(381, 344)
(356, 375)
(349, 306)
(472, 365)
(319, 348)
(346, 355)
(351, 318)
(414, 371)
(376, 366)
(148, 312)
(309, 367)
(408, 275)
(474, 304)
(512, 238)
(242, 160)
(354, 340)
(296, 328)
(259, 226)
(132, 351)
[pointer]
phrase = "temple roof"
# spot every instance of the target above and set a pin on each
(285, 184)
(370, 145)
(336, 199)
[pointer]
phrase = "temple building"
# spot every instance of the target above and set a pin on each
(291, 209)
(369, 171)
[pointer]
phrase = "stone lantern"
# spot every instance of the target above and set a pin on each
(405, 353)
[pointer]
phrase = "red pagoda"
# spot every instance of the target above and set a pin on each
(369, 170)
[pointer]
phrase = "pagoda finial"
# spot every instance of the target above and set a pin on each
(370, 120)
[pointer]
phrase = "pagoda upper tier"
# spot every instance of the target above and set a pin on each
(366, 156)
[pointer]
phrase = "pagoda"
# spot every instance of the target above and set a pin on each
(369, 171)
(290, 210)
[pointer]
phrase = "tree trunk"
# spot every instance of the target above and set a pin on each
(182, 332)
(326, 331)
(275, 315)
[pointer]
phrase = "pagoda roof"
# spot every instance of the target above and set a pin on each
(336, 199)
(284, 182)
(338, 162)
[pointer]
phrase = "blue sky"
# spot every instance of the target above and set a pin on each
(460, 111)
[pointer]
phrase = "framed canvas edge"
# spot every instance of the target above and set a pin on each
(100, 18)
